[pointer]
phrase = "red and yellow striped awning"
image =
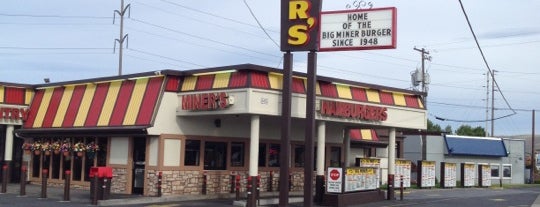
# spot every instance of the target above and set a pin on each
(117, 103)
(274, 81)
(363, 134)
(15, 95)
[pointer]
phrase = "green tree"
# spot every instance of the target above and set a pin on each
(448, 129)
(433, 127)
(467, 130)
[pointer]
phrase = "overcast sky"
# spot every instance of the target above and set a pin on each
(70, 40)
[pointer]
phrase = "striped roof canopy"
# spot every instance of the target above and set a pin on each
(15, 94)
(267, 78)
(116, 103)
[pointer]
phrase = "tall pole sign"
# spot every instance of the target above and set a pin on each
(299, 24)
(299, 32)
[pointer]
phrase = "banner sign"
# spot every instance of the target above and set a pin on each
(468, 175)
(450, 175)
(334, 180)
(358, 29)
(403, 169)
(370, 162)
(300, 24)
(361, 178)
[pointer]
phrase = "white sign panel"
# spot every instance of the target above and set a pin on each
(361, 178)
(403, 170)
(358, 29)
(334, 180)
(450, 175)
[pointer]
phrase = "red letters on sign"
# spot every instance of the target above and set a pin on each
(14, 113)
(205, 101)
(350, 110)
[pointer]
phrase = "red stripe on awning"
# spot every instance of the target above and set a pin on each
(238, 79)
(260, 80)
(97, 104)
(14, 95)
(359, 94)
(122, 101)
(38, 98)
(173, 82)
(149, 101)
(53, 107)
(74, 104)
(204, 82)
(298, 85)
(386, 98)
(328, 90)
(411, 101)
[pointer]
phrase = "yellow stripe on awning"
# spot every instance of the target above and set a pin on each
(221, 80)
(317, 87)
(63, 106)
(420, 104)
(108, 105)
(135, 101)
(189, 83)
(28, 96)
(276, 81)
(344, 91)
(38, 122)
(2, 94)
(399, 99)
(366, 134)
(373, 95)
(82, 113)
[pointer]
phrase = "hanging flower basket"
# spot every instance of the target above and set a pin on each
(55, 147)
(65, 153)
(80, 154)
(37, 152)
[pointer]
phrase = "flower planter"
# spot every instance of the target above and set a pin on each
(37, 152)
(66, 153)
(56, 152)
(80, 154)
(47, 153)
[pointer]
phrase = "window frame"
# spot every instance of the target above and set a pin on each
(498, 171)
(503, 168)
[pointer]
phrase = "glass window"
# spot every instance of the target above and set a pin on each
(299, 156)
(192, 157)
(237, 154)
(495, 171)
(215, 154)
(335, 157)
(262, 155)
(273, 151)
(507, 171)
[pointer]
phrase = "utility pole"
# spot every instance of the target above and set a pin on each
(533, 151)
(424, 54)
(122, 37)
(493, 102)
(487, 103)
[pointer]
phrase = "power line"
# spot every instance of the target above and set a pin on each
(54, 48)
(484, 57)
(260, 25)
(164, 57)
(202, 38)
(214, 15)
(54, 16)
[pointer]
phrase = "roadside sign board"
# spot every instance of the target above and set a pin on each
(358, 29)
(334, 180)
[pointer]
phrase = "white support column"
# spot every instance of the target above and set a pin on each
(392, 151)
(321, 139)
(347, 146)
(9, 143)
(254, 146)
